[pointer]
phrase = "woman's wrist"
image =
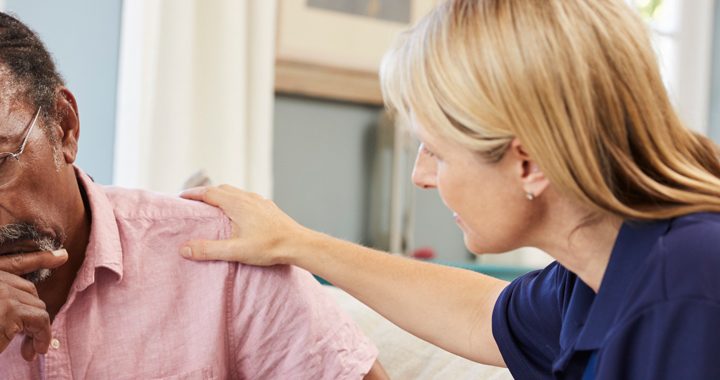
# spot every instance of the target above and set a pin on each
(297, 247)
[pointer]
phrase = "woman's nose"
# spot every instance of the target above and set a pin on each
(423, 175)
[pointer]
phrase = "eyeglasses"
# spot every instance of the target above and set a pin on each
(8, 171)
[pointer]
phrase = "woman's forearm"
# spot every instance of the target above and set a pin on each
(449, 307)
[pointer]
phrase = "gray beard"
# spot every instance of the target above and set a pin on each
(11, 233)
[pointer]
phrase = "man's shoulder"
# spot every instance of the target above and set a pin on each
(153, 226)
(142, 204)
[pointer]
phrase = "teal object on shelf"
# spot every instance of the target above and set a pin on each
(503, 272)
(507, 273)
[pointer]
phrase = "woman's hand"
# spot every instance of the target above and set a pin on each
(261, 230)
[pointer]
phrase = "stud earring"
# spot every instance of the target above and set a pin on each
(529, 195)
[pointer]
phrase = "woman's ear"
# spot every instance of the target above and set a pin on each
(530, 175)
(68, 124)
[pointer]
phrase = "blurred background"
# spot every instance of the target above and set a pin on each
(282, 97)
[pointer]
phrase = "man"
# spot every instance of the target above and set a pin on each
(117, 301)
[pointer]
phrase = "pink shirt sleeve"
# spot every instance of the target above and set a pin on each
(283, 326)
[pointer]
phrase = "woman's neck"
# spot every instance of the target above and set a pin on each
(581, 246)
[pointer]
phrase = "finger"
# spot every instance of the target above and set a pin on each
(204, 250)
(11, 282)
(5, 338)
(11, 326)
(36, 325)
(228, 188)
(25, 294)
(194, 193)
(221, 196)
(27, 349)
(24, 263)
(209, 195)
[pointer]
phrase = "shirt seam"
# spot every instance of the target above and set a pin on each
(230, 342)
(659, 246)
(665, 290)
(67, 344)
(229, 337)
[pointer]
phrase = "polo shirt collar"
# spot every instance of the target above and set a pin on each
(104, 249)
(632, 246)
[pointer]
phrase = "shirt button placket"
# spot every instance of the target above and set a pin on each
(57, 360)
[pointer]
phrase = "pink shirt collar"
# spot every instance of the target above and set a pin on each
(104, 249)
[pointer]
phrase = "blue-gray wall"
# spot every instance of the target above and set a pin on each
(714, 123)
(323, 156)
(84, 38)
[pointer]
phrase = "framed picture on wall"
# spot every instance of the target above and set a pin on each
(332, 48)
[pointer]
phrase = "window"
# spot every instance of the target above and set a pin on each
(662, 18)
(682, 35)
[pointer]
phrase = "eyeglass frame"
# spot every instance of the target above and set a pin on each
(21, 149)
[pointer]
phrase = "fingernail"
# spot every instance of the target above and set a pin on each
(60, 253)
(186, 252)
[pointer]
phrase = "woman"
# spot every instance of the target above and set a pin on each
(546, 124)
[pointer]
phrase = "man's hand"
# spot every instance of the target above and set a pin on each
(21, 310)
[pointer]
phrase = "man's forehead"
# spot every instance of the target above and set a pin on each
(9, 88)
(14, 120)
(12, 103)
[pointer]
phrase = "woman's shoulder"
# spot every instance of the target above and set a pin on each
(697, 219)
(694, 234)
(690, 252)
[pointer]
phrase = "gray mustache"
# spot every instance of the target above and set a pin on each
(11, 233)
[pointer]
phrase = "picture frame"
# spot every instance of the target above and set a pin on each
(332, 49)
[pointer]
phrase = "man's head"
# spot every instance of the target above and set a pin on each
(40, 203)
(24, 58)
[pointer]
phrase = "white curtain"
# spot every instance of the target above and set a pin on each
(196, 93)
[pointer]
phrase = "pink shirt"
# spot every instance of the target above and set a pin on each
(137, 310)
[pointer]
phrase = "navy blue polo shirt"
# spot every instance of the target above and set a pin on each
(655, 316)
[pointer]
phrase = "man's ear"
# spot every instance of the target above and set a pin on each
(530, 176)
(68, 124)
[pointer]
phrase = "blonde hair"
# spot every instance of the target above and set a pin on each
(575, 81)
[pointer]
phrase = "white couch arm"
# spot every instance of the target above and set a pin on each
(405, 356)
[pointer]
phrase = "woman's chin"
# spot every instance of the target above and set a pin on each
(473, 245)
(481, 247)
